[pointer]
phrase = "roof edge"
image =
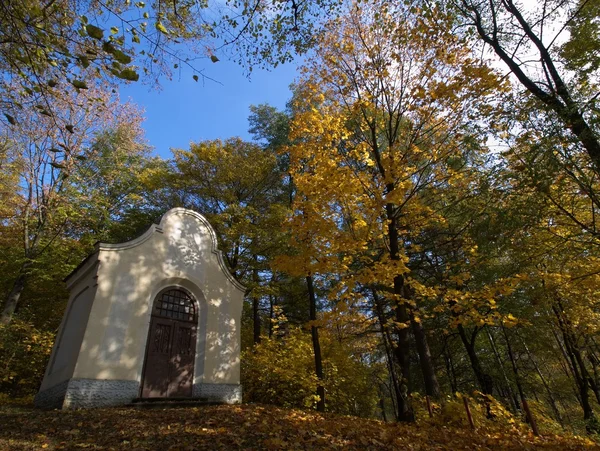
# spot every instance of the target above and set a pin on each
(157, 228)
(86, 265)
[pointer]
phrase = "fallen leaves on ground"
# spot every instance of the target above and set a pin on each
(247, 427)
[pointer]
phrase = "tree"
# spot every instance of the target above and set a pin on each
(280, 371)
(56, 155)
(9, 167)
(236, 185)
(381, 115)
(270, 126)
(112, 184)
(48, 45)
(239, 187)
(515, 34)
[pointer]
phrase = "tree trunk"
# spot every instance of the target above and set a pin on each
(316, 344)
(382, 407)
(450, 368)
(432, 387)
(546, 386)
(566, 364)
(577, 365)
(582, 383)
(511, 393)
(593, 359)
(405, 411)
(256, 319)
(271, 305)
(14, 295)
(256, 303)
(513, 362)
(485, 380)
(387, 340)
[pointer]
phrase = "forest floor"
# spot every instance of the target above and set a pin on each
(247, 427)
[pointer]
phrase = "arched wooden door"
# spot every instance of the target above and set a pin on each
(171, 346)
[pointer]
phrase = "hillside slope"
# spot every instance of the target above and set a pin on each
(247, 427)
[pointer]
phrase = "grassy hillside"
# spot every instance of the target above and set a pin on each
(248, 427)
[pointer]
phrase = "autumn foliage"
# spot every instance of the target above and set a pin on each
(251, 427)
(418, 230)
(280, 371)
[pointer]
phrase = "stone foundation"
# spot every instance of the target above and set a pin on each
(53, 397)
(227, 393)
(86, 393)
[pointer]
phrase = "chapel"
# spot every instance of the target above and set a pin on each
(154, 317)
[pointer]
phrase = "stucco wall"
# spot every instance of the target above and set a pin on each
(71, 331)
(181, 251)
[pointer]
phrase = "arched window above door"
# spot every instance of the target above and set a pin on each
(175, 304)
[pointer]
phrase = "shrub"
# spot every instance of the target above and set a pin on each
(24, 353)
(281, 371)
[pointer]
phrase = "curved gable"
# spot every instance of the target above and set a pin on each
(185, 229)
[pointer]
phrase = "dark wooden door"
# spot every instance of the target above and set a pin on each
(158, 356)
(182, 360)
(171, 348)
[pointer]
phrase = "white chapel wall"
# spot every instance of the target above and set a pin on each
(108, 355)
(71, 331)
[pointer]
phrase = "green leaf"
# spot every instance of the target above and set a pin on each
(84, 60)
(160, 27)
(94, 32)
(52, 83)
(81, 157)
(57, 165)
(121, 57)
(79, 84)
(108, 47)
(135, 38)
(114, 30)
(129, 74)
(118, 54)
(195, 77)
(214, 58)
(11, 120)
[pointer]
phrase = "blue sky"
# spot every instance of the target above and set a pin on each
(183, 110)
